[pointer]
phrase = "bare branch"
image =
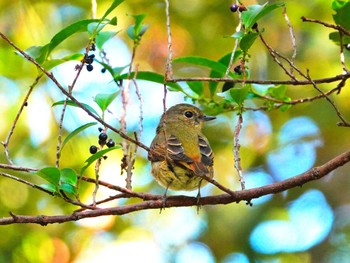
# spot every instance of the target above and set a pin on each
(183, 201)
(266, 82)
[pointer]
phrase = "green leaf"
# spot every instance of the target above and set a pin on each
(68, 188)
(278, 92)
(286, 107)
(342, 17)
(238, 35)
(49, 64)
(72, 103)
(80, 26)
(76, 131)
(138, 29)
(262, 89)
(239, 95)
(117, 71)
(103, 100)
(247, 41)
(96, 156)
(50, 187)
(256, 12)
(95, 27)
(153, 77)
(196, 87)
(50, 174)
(335, 37)
(103, 37)
(34, 51)
(68, 176)
(338, 4)
(113, 21)
(114, 4)
(204, 62)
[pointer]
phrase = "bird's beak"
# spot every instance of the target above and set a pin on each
(208, 118)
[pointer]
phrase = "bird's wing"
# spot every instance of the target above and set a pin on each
(206, 151)
(175, 151)
(171, 148)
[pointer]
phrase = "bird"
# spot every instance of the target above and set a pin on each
(180, 154)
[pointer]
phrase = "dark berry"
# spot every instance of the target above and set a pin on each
(103, 136)
(227, 86)
(255, 26)
(89, 67)
(103, 70)
(101, 142)
(105, 157)
(110, 143)
(242, 8)
(93, 149)
(92, 56)
(89, 59)
(233, 8)
(238, 69)
(347, 46)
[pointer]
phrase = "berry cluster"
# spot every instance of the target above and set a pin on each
(102, 140)
(88, 60)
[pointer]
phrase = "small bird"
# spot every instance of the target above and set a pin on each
(180, 154)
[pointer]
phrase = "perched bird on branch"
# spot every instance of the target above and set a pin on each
(180, 154)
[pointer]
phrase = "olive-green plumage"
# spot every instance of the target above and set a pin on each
(180, 153)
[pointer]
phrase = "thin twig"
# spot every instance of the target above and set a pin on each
(65, 104)
(26, 182)
(342, 56)
(12, 129)
(344, 122)
(236, 150)
(292, 36)
(235, 47)
(169, 68)
(93, 9)
(275, 56)
(336, 27)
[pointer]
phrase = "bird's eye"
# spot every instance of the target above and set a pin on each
(189, 114)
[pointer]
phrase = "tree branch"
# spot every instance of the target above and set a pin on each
(183, 201)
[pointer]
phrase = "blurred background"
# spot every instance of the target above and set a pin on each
(306, 224)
